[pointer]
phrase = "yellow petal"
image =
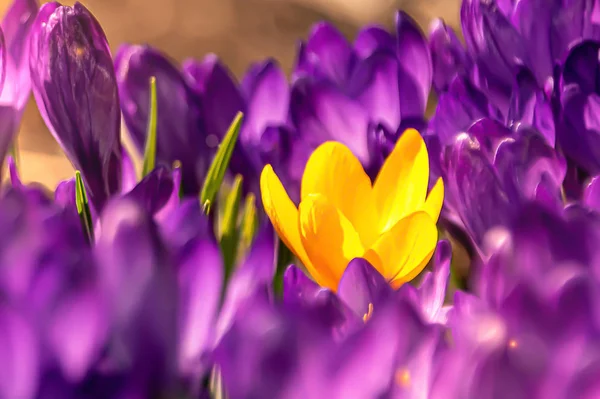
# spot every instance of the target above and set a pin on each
(435, 200)
(329, 238)
(282, 212)
(403, 251)
(333, 171)
(401, 186)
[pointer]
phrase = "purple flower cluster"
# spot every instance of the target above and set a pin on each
(118, 287)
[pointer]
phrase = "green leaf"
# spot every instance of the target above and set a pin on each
(249, 224)
(14, 152)
(216, 172)
(230, 233)
(150, 150)
(83, 207)
(284, 258)
(177, 165)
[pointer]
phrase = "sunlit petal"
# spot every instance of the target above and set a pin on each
(401, 186)
(282, 212)
(329, 238)
(334, 172)
(435, 200)
(403, 251)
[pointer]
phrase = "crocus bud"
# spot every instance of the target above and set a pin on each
(76, 91)
(180, 136)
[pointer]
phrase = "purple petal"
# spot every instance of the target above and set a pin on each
(255, 273)
(17, 25)
(525, 162)
(448, 56)
(362, 286)
(579, 134)
(374, 84)
(591, 195)
(497, 46)
(412, 50)
(200, 283)
(139, 279)
(570, 26)
(173, 201)
(221, 98)
(72, 74)
(64, 195)
(457, 109)
(184, 224)
(264, 362)
(366, 363)
(529, 106)
(250, 78)
(321, 113)
(533, 19)
(268, 102)
(474, 190)
(180, 134)
(372, 39)
(3, 62)
(432, 290)
(78, 332)
(297, 287)
(581, 67)
(20, 369)
(327, 54)
(153, 191)
(288, 153)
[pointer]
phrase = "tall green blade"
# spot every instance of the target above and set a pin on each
(83, 207)
(216, 172)
(249, 224)
(230, 233)
(14, 152)
(150, 150)
(284, 258)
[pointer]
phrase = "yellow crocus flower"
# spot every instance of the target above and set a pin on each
(391, 223)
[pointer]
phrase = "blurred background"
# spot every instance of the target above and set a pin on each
(238, 31)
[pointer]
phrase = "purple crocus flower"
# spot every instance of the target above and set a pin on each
(15, 78)
(489, 170)
(328, 55)
(76, 90)
(49, 278)
(542, 248)
(534, 330)
(362, 290)
(502, 38)
(193, 108)
(277, 350)
(448, 56)
(511, 52)
(539, 340)
(363, 95)
(139, 279)
(267, 135)
(578, 134)
(591, 194)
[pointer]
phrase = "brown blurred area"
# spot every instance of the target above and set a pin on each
(238, 31)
